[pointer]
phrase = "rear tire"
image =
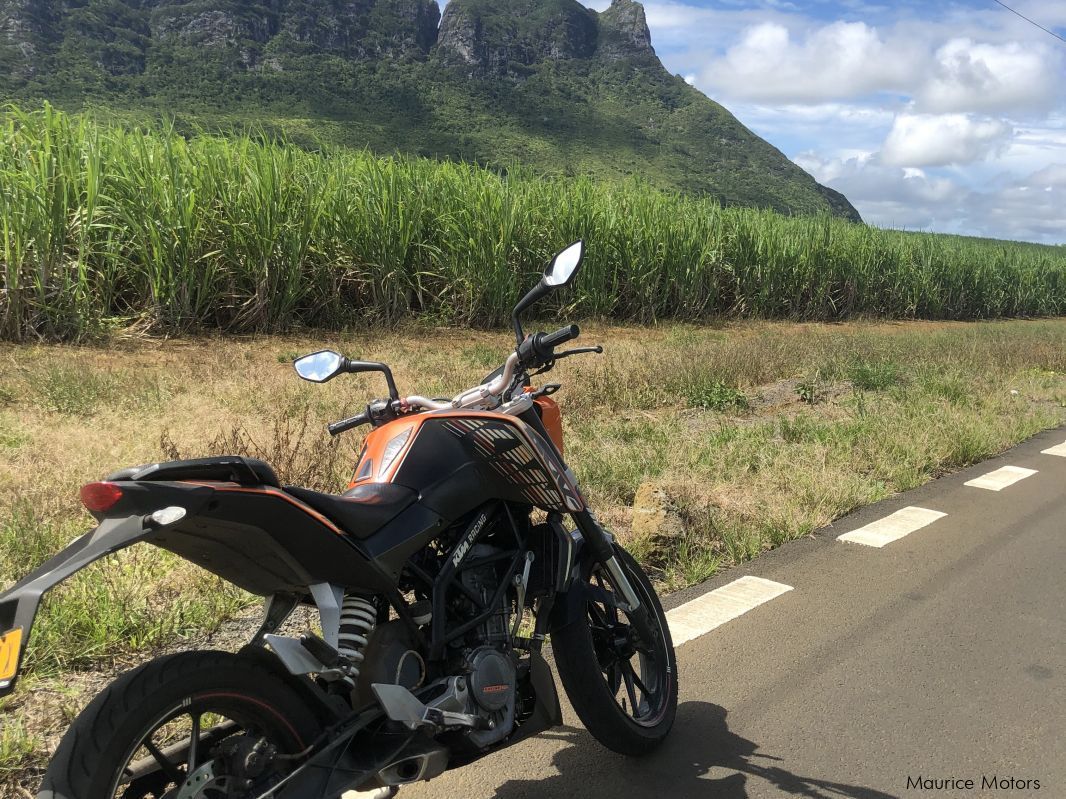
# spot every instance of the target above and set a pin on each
(592, 673)
(100, 744)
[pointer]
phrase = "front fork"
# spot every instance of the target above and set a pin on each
(601, 546)
(600, 543)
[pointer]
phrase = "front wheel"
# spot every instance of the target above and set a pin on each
(624, 689)
(207, 725)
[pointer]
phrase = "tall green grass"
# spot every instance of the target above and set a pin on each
(102, 224)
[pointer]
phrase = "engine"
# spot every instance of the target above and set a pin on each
(484, 581)
(490, 664)
(479, 677)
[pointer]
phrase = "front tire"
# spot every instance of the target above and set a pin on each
(127, 743)
(624, 690)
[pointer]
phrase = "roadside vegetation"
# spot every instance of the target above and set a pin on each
(105, 227)
(755, 432)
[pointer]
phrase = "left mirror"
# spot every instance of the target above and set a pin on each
(320, 366)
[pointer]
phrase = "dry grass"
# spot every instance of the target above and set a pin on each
(759, 432)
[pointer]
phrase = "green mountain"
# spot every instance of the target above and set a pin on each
(549, 84)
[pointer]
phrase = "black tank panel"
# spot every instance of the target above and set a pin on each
(493, 459)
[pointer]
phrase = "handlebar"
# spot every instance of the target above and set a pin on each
(561, 336)
(535, 351)
(337, 428)
(539, 348)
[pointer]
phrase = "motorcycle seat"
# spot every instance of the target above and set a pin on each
(224, 468)
(360, 511)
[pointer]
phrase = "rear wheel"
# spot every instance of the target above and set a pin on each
(199, 725)
(623, 688)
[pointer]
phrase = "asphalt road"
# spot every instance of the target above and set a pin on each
(941, 656)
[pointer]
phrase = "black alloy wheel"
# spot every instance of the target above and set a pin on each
(623, 688)
(198, 725)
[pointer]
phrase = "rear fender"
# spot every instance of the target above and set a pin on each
(19, 604)
(328, 708)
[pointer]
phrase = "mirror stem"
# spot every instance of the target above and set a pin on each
(517, 330)
(354, 367)
(394, 393)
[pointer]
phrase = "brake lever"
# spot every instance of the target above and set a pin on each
(558, 356)
(578, 351)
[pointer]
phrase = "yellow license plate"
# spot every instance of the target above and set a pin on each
(9, 653)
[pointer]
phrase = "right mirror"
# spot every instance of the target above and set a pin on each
(564, 265)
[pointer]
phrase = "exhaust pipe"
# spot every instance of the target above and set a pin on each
(419, 762)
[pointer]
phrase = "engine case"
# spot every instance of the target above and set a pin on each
(492, 694)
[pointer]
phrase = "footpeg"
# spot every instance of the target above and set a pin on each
(401, 705)
(326, 654)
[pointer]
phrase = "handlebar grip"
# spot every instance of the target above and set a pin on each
(560, 336)
(337, 428)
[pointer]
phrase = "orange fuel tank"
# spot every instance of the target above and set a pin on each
(384, 450)
(387, 446)
(552, 416)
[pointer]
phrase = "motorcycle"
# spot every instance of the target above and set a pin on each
(462, 543)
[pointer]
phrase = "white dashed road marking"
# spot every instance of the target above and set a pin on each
(893, 527)
(716, 607)
(1001, 478)
(1059, 450)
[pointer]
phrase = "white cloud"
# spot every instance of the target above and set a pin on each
(918, 140)
(816, 117)
(839, 60)
(1027, 208)
(990, 78)
(1051, 177)
(825, 170)
(944, 66)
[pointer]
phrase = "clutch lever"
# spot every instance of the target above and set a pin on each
(546, 391)
(578, 351)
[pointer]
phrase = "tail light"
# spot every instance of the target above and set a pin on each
(100, 497)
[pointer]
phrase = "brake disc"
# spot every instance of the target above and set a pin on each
(204, 784)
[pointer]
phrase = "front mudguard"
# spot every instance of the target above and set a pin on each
(572, 605)
(569, 605)
(19, 605)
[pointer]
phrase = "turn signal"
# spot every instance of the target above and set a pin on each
(100, 497)
(10, 643)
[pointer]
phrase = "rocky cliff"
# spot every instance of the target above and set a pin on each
(624, 31)
(125, 34)
(548, 83)
(26, 31)
(504, 36)
(509, 36)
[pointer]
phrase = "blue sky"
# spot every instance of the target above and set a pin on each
(938, 116)
(944, 116)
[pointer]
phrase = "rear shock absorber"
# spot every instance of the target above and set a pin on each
(358, 620)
